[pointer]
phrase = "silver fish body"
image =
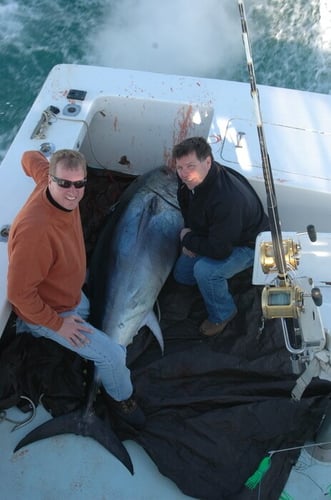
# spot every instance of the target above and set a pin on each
(134, 256)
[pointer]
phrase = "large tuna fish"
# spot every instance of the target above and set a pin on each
(134, 256)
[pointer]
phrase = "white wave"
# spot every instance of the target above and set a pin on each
(11, 24)
(325, 25)
(179, 36)
(288, 21)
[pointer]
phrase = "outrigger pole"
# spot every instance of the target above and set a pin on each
(274, 220)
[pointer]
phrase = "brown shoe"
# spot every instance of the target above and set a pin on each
(129, 411)
(210, 329)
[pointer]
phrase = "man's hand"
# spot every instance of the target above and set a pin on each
(184, 231)
(185, 250)
(188, 252)
(72, 330)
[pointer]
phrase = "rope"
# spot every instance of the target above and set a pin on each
(19, 423)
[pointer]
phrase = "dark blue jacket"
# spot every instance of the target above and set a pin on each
(223, 212)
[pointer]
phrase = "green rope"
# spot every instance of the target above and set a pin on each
(285, 496)
(259, 474)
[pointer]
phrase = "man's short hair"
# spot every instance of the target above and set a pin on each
(69, 158)
(197, 145)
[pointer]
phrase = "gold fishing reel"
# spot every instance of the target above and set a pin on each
(267, 256)
(282, 301)
(286, 299)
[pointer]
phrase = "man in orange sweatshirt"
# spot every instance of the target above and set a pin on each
(47, 268)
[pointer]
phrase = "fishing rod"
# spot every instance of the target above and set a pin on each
(276, 235)
(294, 301)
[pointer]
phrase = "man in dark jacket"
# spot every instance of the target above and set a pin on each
(222, 217)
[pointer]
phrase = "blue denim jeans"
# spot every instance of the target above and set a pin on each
(108, 356)
(211, 276)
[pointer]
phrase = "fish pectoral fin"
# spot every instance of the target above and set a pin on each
(152, 322)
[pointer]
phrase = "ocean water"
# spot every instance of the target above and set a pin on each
(291, 43)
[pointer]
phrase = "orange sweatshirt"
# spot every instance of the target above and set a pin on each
(47, 261)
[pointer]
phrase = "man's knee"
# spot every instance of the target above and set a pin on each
(204, 271)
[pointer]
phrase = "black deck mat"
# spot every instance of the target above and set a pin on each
(215, 407)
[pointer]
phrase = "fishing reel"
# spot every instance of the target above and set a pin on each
(281, 301)
(296, 305)
(291, 252)
(286, 299)
(267, 257)
(292, 298)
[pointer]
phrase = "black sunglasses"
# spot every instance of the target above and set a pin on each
(64, 183)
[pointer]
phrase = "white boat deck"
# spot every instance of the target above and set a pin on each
(309, 479)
